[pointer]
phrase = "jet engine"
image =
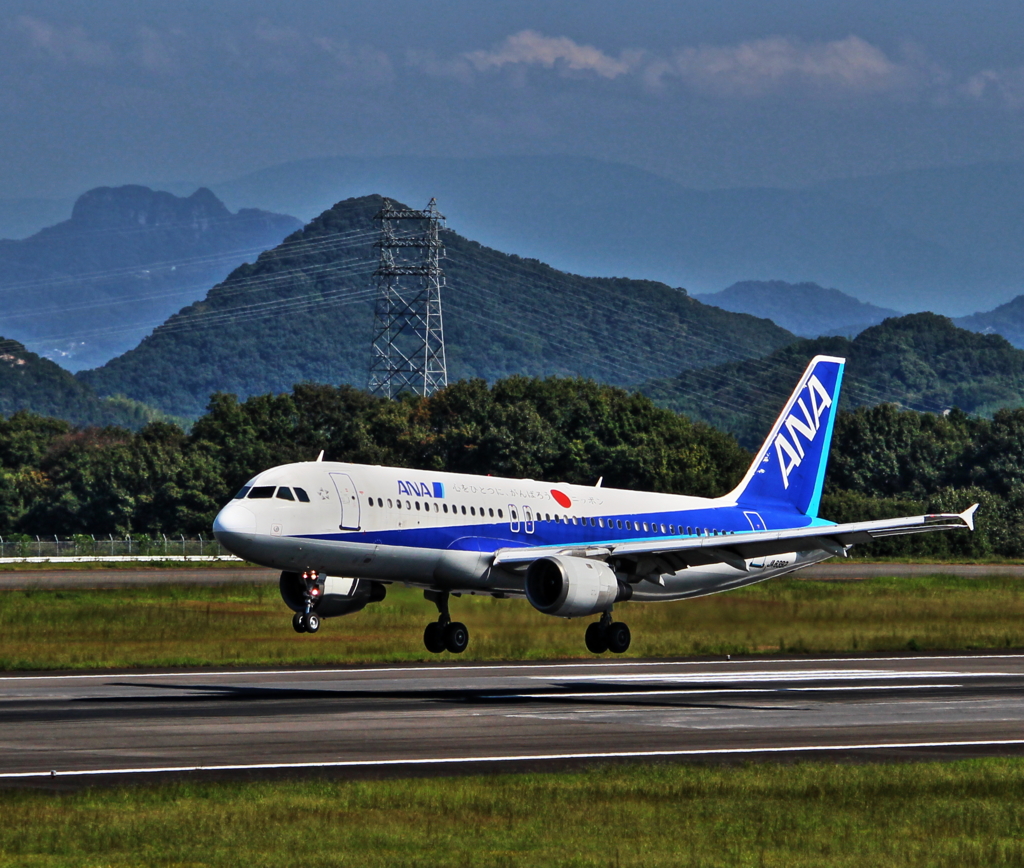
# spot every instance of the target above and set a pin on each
(570, 587)
(334, 596)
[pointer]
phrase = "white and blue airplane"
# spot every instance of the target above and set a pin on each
(341, 532)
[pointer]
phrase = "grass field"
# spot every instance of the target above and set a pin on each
(928, 814)
(249, 625)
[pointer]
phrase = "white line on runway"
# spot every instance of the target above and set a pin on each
(596, 664)
(794, 675)
(548, 757)
(738, 690)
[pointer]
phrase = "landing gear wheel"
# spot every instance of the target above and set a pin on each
(297, 623)
(433, 637)
(311, 622)
(596, 638)
(456, 637)
(618, 637)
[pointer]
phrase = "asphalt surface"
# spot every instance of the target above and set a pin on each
(83, 729)
(127, 577)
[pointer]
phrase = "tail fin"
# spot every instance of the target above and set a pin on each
(789, 469)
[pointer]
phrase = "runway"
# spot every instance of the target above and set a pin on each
(77, 729)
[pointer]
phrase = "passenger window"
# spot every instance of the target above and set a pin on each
(261, 492)
(689, 531)
(435, 507)
(500, 515)
(490, 512)
(472, 510)
(369, 500)
(286, 493)
(389, 503)
(600, 522)
(445, 508)
(645, 527)
(463, 510)
(574, 519)
(380, 502)
(663, 529)
(241, 494)
(398, 504)
(417, 506)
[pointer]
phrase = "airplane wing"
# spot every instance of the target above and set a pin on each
(676, 553)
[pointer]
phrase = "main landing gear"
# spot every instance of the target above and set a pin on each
(444, 634)
(607, 635)
(308, 621)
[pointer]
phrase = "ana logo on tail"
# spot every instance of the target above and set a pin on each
(790, 451)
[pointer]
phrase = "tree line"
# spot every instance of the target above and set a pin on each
(59, 479)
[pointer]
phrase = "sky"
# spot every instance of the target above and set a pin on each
(723, 94)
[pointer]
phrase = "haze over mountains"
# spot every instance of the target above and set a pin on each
(949, 240)
(92, 286)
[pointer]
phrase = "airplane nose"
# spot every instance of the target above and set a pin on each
(234, 518)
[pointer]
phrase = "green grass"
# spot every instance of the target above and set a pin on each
(959, 814)
(249, 625)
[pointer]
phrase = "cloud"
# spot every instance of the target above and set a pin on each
(69, 45)
(530, 48)
(776, 63)
(1003, 88)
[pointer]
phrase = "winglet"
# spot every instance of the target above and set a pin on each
(968, 515)
(320, 457)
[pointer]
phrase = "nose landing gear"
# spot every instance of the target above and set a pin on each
(607, 635)
(444, 634)
(308, 621)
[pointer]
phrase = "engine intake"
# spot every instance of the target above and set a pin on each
(337, 596)
(571, 587)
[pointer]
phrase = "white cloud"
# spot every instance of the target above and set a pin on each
(1003, 88)
(534, 49)
(764, 66)
(66, 45)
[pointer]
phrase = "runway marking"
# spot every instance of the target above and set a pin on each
(794, 675)
(490, 667)
(640, 754)
(616, 693)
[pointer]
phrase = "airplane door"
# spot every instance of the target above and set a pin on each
(756, 522)
(348, 498)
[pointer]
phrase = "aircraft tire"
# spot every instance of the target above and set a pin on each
(618, 637)
(312, 622)
(596, 638)
(456, 637)
(433, 637)
(297, 623)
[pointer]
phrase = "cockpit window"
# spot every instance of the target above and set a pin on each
(300, 493)
(241, 494)
(285, 493)
(261, 491)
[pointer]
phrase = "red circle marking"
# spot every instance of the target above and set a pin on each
(562, 499)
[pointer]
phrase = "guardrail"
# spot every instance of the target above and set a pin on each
(90, 549)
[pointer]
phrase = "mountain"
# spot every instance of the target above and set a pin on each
(805, 309)
(304, 311)
(92, 286)
(37, 385)
(1006, 320)
(917, 249)
(920, 361)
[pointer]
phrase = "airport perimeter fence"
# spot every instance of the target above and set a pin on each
(122, 548)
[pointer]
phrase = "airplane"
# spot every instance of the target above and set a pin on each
(340, 533)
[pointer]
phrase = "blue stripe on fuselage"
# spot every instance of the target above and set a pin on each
(491, 536)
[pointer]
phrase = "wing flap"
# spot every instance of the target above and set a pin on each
(733, 549)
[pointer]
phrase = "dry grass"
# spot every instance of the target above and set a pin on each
(249, 625)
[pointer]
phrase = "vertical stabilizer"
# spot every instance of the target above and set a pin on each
(789, 468)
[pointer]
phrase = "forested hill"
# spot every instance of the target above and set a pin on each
(92, 286)
(921, 361)
(30, 383)
(304, 312)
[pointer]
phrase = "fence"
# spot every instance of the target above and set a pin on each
(100, 548)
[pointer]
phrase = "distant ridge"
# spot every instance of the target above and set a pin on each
(805, 309)
(1006, 320)
(92, 286)
(920, 361)
(304, 310)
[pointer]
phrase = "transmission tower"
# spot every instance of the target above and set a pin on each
(408, 338)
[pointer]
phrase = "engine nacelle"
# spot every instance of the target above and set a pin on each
(335, 595)
(570, 587)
